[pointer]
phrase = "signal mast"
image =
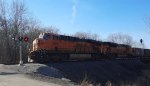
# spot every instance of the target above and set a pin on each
(21, 39)
(142, 48)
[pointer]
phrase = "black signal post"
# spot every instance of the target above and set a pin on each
(142, 48)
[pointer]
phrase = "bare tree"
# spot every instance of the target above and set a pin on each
(95, 37)
(81, 35)
(51, 29)
(13, 20)
(84, 35)
(4, 31)
(121, 38)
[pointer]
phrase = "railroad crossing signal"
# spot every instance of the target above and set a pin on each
(25, 39)
(21, 39)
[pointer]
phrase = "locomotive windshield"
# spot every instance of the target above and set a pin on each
(47, 36)
(41, 35)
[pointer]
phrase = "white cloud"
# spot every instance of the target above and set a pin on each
(74, 11)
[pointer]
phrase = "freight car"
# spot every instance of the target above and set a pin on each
(53, 47)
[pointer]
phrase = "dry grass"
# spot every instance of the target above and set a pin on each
(140, 82)
(143, 80)
(87, 82)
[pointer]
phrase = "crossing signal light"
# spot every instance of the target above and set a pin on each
(20, 39)
(26, 39)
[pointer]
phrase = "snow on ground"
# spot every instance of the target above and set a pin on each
(20, 80)
(32, 74)
(36, 68)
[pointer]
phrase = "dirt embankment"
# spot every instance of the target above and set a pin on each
(69, 73)
(116, 71)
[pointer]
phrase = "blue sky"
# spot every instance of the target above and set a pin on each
(102, 17)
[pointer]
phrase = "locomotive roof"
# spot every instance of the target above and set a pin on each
(64, 37)
(123, 45)
(72, 38)
(110, 44)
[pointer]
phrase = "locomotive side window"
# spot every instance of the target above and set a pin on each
(45, 36)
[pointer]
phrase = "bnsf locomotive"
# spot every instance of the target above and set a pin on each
(53, 47)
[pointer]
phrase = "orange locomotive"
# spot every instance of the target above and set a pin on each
(53, 47)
